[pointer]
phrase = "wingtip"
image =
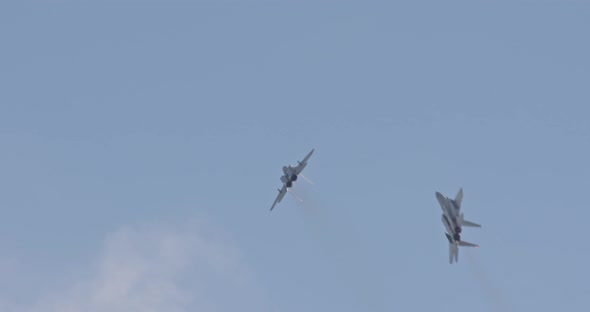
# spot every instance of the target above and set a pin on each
(440, 197)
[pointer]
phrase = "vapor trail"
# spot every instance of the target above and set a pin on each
(491, 292)
(340, 242)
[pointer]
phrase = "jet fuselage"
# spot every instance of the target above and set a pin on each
(451, 214)
(289, 176)
(452, 219)
(450, 229)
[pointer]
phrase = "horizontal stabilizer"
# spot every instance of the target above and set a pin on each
(466, 244)
(469, 223)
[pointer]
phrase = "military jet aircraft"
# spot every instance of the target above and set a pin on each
(289, 176)
(453, 220)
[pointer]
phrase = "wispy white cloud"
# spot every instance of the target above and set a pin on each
(159, 269)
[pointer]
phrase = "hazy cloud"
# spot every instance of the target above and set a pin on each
(158, 269)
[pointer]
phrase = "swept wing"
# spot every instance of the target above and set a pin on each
(282, 193)
(301, 164)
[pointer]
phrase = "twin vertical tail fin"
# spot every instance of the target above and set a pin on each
(453, 253)
(454, 248)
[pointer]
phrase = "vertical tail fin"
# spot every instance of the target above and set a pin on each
(453, 249)
(453, 253)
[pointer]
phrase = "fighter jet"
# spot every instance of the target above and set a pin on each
(453, 220)
(289, 176)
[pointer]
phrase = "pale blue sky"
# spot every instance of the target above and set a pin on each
(131, 114)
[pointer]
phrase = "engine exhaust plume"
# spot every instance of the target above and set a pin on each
(491, 292)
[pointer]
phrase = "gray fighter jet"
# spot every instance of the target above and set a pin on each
(289, 176)
(453, 220)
